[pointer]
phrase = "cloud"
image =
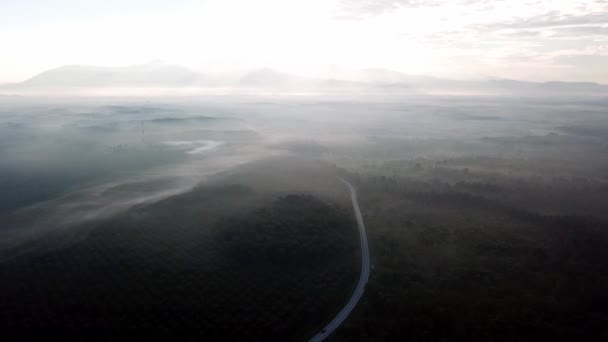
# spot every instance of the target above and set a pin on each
(358, 8)
(526, 37)
(411, 36)
(580, 31)
(552, 19)
(599, 61)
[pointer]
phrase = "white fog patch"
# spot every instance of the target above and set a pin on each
(107, 199)
(194, 146)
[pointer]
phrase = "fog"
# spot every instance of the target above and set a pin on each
(223, 202)
(340, 170)
(65, 161)
(72, 162)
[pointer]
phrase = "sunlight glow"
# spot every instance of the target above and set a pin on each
(530, 39)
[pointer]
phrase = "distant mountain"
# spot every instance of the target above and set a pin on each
(502, 87)
(269, 78)
(548, 87)
(379, 76)
(389, 79)
(156, 74)
(159, 74)
(579, 86)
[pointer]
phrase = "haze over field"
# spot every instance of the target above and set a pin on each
(304, 170)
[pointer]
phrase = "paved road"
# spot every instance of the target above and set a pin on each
(365, 267)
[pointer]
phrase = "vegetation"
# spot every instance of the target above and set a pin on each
(486, 217)
(456, 261)
(203, 265)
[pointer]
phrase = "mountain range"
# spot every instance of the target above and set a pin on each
(164, 75)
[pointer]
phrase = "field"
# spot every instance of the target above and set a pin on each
(225, 260)
(226, 219)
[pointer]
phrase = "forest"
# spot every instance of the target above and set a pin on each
(483, 261)
(486, 220)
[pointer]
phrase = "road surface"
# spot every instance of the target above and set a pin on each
(365, 266)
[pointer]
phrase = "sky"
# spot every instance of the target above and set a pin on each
(535, 40)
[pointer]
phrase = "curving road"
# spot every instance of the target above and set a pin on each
(365, 267)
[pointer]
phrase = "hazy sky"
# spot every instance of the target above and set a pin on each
(531, 40)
